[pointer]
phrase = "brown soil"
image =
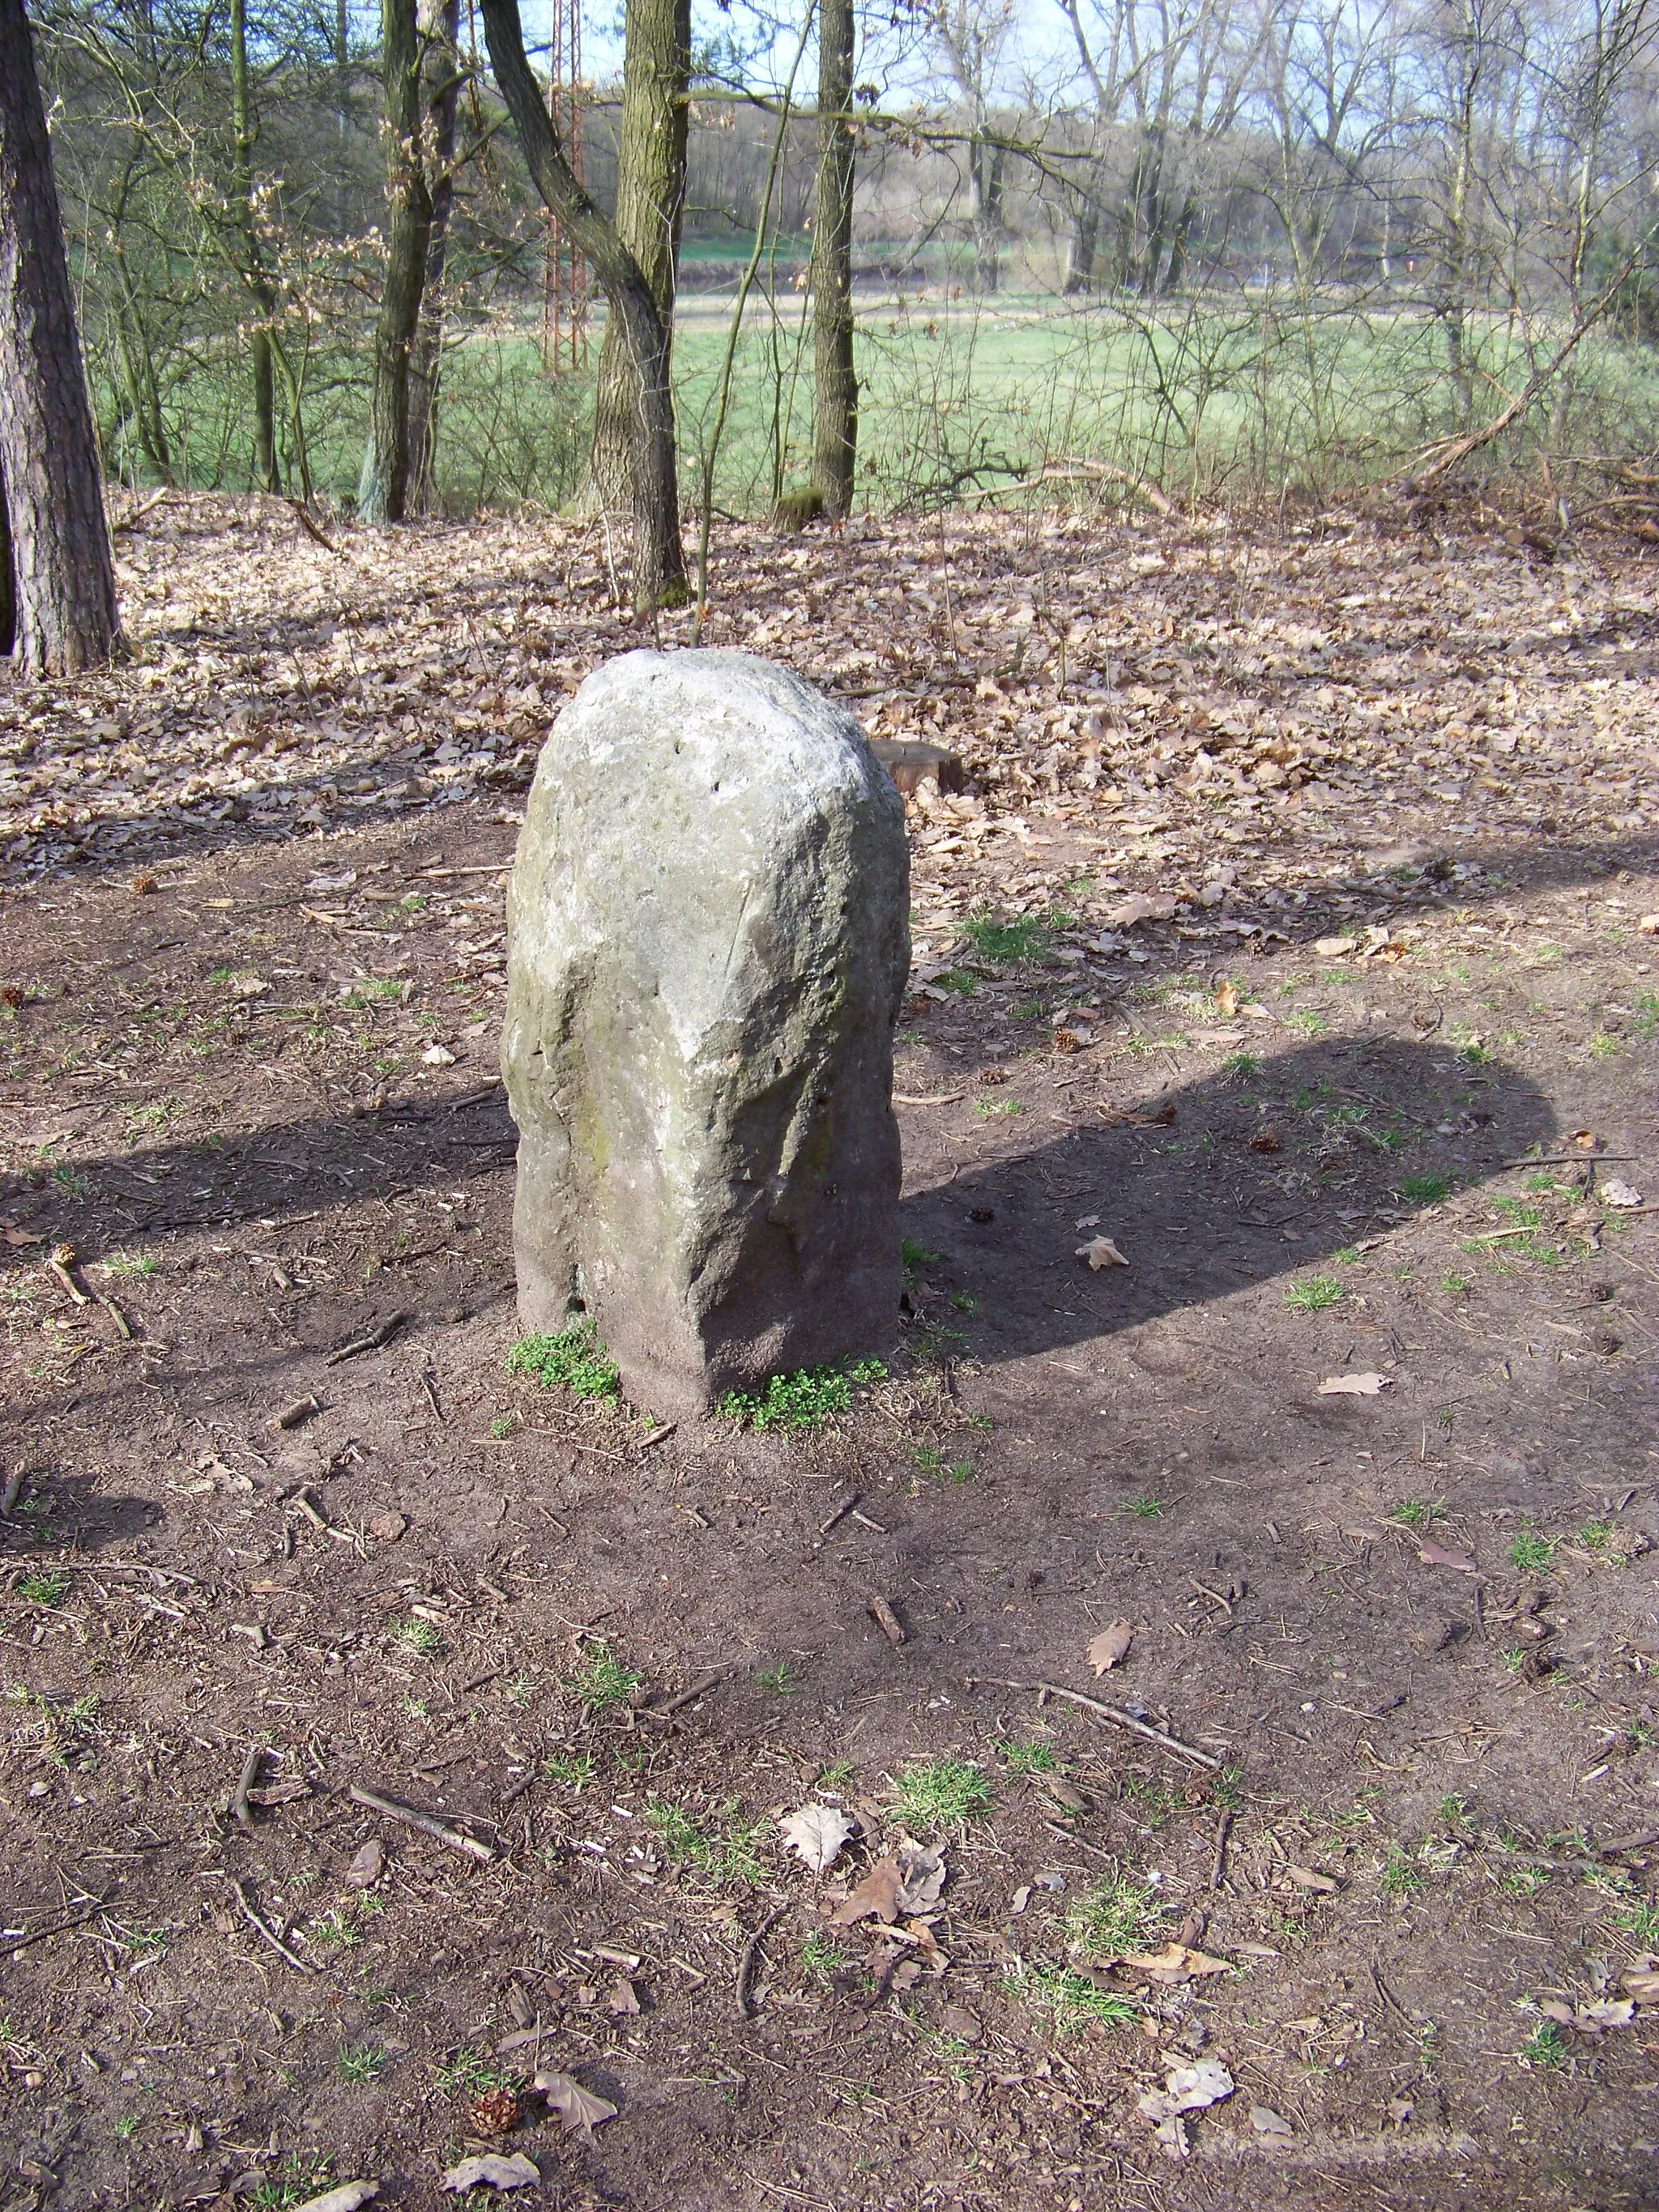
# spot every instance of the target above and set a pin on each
(252, 1084)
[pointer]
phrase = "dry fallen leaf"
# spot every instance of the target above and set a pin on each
(1101, 1252)
(1436, 1555)
(1612, 1190)
(345, 2198)
(921, 1876)
(1178, 1963)
(18, 1237)
(494, 2169)
(1355, 1386)
(1187, 2089)
(817, 1834)
(1641, 1982)
(367, 1867)
(580, 2110)
(1335, 948)
(1110, 1646)
(1305, 1877)
(878, 1893)
(1267, 2122)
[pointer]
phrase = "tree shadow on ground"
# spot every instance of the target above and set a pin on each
(1212, 1186)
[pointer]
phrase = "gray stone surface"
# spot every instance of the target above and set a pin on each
(707, 939)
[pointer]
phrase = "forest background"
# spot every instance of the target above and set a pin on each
(1189, 249)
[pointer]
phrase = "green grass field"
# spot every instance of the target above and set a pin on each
(1215, 398)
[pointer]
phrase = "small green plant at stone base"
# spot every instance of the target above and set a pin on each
(1027, 1758)
(602, 1681)
(1069, 2000)
(1545, 2046)
(940, 1793)
(1419, 1512)
(1531, 1552)
(575, 1358)
(1314, 1294)
(1425, 1190)
(1116, 1919)
(45, 1587)
(806, 1399)
(360, 2063)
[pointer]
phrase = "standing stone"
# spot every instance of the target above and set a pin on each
(707, 939)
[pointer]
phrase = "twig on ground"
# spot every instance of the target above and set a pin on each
(14, 1943)
(841, 1513)
(666, 1711)
(428, 1823)
(240, 1809)
(1118, 1718)
(1219, 1862)
(750, 1953)
(887, 1620)
(262, 1928)
(292, 1416)
(372, 1342)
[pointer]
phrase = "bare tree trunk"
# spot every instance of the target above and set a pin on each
(253, 269)
(1080, 250)
(658, 559)
(650, 200)
(426, 361)
(8, 590)
(62, 581)
(836, 386)
(383, 487)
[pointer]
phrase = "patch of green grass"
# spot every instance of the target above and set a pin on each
(297, 2179)
(502, 1426)
(806, 1399)
(1419, 1512)
(574, 1358)
(957, 981)
(780, 1681)
(1070, 2000)
(940, 1793)
(1028, 1009)
(420, 1636)
(1545, 2046)
(1312, 1294)
(70, 1181)
(358, 2064)
(1116, 1918)
(1027, 1758)
(1531, 1552)
(1425, 1190)
(1603, 1047)
(821, 1960)
(122, 1263)
(602, 1681)
(1640, 1922)
(1241, 1067)
(1144, 1508)
(1453, 1812)
(918, 1255)
(1005, 942)
(1399, 1876)
(1456, 1285)
(575, 1769)
(1306, 1021)
(727, 1853)
(1596, 1535)
(965, 1303)
(470, 2072)
(997, 1109)
(45, 1586)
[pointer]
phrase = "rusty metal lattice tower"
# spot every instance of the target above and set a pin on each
(564, 283)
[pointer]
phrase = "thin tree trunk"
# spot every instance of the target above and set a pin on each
(650, 200)
(427, 360)
(253, 271)
(835, 385)
(8, 590)
(63, 581)
(383, 487)
(658, 559)
(1080, 250)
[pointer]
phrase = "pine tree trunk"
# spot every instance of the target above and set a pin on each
(426, 361)
(835, 389)
(658, 559)
(383, 488)
(63, 581)
(650, 199)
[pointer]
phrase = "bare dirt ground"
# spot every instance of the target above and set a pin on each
(1316, 867)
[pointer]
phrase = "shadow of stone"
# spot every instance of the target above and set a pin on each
(1361, 1133)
